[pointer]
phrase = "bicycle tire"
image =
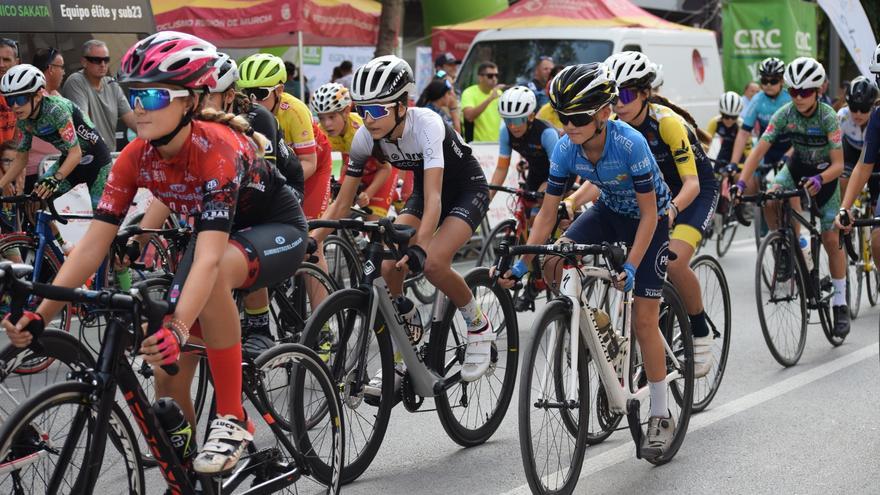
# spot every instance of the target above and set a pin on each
(777, 242)
(424, 291)
(505, 230)
(121, 436)
(446, 351)
(711, 303)
(295, 361)
(726, 232)
(353, 303)
(343, 263)
(291, 304)
(855, 278)
(872, 276)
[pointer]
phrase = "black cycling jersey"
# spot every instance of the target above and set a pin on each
(277, 151)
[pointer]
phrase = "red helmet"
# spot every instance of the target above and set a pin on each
(172, 58)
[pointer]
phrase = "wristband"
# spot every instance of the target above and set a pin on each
(519, 269)
(741, 185)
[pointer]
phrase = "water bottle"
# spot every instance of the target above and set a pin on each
(606, 334)
(178, 429)
(411, 318)
(805, 248)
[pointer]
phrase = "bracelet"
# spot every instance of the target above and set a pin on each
(180, 328)
(674, 207)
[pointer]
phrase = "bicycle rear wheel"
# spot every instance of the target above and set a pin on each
(504, 231)
(552, 465)
(294, 300)
(726, 231)
(421, 288)
(716, 302)
(343, 263)
(782, 304)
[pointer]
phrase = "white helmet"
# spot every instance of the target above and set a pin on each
(227, 73)
(658, 75)
(518, 101)
(384, 79)
(631, 69)
(804, 73)
(22, 79)
(731, 104)
(331, 97)
(875, 61)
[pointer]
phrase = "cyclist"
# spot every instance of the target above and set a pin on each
(860, 97)
(672, 137)
(761, 108)
(449, 197)
(332, 103)
(866, 164)
(726, 126)
(818, 160)
(632, 208)
(199, 163)
(85, 158)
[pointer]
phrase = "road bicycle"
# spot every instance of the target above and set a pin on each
(862, 270)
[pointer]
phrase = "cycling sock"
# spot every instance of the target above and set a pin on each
(226, 369)
(472, 314)
(698, 324)
(658, 399)
(839, 291)
(257, 320)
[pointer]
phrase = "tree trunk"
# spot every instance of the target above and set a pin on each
(389, 26)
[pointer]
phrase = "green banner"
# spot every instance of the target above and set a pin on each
(444, 12)
(757, 29)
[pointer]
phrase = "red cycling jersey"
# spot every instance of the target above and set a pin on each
(317, 187)
(216, 177)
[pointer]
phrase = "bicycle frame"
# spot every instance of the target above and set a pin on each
(788, 213)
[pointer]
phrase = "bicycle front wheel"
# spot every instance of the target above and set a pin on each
(504, 231)
(726, 232)
(552, 465)
(716, 302)
(781, 298)
(44, 445)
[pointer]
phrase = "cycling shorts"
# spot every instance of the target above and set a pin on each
(692, 223)
(381, 201)
(317, 190)
(601, 224)
(827, 211)
(469, 204)
(93, 177)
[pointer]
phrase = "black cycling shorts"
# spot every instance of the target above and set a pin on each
(468, 203)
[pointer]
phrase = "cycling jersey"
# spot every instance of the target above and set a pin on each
(627, 167)
(216, 177)
(534, 146)
(760, 111)
(277, 152)
(428, 143)
(852, 133)
(547, 114)
(871, 147)
(63, 125)
(727, 134)
(812, 138)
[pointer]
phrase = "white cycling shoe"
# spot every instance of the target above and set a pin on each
(227, 441)
(478, 354)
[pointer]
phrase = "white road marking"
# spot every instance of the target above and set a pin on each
(627, 451)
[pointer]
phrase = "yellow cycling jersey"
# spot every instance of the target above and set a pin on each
(296, 122)
(727, 135)
(342, 143)
(547, 114)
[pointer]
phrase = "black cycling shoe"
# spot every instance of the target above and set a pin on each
(841, 321)
(526, 300)
(256, 342)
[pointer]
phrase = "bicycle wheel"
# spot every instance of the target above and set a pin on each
(726, 231)
(339, 329)
(872, 275)
(47, 438)
(782, 304)
(293, 367)
(716, 302)
(421, 288)
(855, 278)
(343, 263)
(471, 412)
(552, 465)
(292, 302)
(505, 230)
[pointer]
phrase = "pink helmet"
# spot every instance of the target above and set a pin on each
(170, 57)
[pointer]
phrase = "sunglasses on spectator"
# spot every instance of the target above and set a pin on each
(154, 98)
(259, 94)
(628, 95)
(770, 81)
(801, 93)
(579, 119)
(490, 75)
(97, 60)
(516, 120)
(375, 112)
(19, 100)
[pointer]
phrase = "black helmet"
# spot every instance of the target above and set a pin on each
(861, 93)
(583, 88)
(771, 66)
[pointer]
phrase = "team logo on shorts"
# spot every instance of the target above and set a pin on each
(662, 260)
(279, 240)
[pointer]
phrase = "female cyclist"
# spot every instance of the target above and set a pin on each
(861, 94)
(449, 197)
(689, 175)
(203, 164)
(726, 126)
(632, 208)
(332, 103)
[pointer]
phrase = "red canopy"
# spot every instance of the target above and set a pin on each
(548, 13)
(262, 23)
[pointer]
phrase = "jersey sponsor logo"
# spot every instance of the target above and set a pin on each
(212, 185)
(283, 248)
(259, 186)
(653, 292)
(67, 132)
(836, 136)
(87, 159)
(284, 105)
(87, 134)
(622, 140)
(279, 240)
(662, 260)
(178, 188)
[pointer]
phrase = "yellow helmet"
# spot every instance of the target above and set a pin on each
(261, 70)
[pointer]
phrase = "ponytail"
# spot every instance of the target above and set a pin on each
(702, 135)
(236, 123)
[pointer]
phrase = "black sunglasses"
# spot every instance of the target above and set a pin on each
(770, 80)
(97, 60)
(576, 119)
(865, 108)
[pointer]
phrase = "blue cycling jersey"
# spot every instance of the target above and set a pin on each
(626, 167)
(761, 109)
(871, 148)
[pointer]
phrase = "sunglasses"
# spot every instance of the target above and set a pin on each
(579, 119)
(97, 60)
(154, 98)
(861, 108)
(627, 95)
(375, 112)
(801, 93)
(729, 117)
(516, 120)
(770, 81)
(259, 94)
(490, 75)
(19, 100)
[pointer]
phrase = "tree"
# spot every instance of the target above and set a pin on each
(389, 26)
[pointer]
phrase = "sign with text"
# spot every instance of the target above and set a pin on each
(78, 16)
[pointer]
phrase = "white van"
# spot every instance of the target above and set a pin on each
(691, 65)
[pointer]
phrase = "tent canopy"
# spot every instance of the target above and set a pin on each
(548, 13)
(262, 23)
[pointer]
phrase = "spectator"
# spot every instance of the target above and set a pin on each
(480, 103)
(823, 94)
(749, 91)
(8, 59)
(51, 62)
(546, 112)
(538, 85)
(291, 86)
(346, 72)
(98, 95)
(439, 97)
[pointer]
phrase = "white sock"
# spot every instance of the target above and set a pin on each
(839, 291)
(658, 399)
(472, 314)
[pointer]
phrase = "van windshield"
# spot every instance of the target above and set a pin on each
(516, 59)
